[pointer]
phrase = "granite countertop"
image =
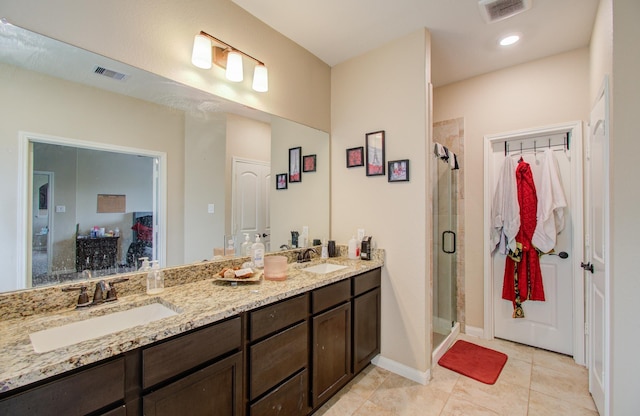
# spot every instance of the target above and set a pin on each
(199, 303)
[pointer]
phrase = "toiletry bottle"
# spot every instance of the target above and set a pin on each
(304, 237)
(325, 251)
(155, 279)
(145, 267)
(245, 249)
(257, 253)
(230, 250)
(353, 248)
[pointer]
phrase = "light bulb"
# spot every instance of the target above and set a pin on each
(234, 67)
(260, 78)
(201, 55)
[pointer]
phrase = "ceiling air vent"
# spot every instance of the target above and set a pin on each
(110, 73)
(496, 10)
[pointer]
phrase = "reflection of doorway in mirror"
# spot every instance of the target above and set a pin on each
(250, 198)
(83, 170)
(42, 197)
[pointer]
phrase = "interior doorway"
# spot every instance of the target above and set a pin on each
(557, 324)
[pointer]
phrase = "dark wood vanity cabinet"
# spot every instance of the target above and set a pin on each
(366, 318)
(80, 392)
(278, 357)
(331, 340)
(214, 390)
(285, 358)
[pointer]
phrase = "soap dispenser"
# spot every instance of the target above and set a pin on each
(245, 248)
(257, 253)
(145, 267)
(155, 279)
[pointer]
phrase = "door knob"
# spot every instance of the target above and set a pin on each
(562, 255)
(587, 266)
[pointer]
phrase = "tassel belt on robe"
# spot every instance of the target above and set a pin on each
(522, 274)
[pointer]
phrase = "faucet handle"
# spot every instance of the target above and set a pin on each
(83, 298)
(111, 293)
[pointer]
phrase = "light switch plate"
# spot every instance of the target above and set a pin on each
(61, 208)
(211, 209)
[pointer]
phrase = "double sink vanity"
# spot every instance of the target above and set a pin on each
(203, 346)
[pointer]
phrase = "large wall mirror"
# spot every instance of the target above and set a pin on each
(119, 163)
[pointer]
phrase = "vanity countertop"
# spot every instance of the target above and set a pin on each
(199, 303)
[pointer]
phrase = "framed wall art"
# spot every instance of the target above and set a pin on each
(355, 157)
(399, 170)
(309, 163)
(295, 160)
(281, 181)
(375, 153)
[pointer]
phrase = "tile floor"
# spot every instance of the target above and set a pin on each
(533, 382)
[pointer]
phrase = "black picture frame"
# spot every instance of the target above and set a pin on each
(355, 157)
(375, 158)
(281, 181)
(295, 162)
(309, 163)
(398, 170)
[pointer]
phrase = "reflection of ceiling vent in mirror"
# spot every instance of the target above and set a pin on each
(110, 73)
(496, 10)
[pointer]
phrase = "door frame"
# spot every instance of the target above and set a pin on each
(577, 208)
(50, 199)
(25, 167)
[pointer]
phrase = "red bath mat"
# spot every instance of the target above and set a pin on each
(479, 363)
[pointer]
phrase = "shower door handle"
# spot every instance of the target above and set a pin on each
(444, 233)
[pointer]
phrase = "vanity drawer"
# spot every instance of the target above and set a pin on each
(279, 315)
(277, 357)
(185, 352)
(366, 281)
(84, 392)
(328, 296)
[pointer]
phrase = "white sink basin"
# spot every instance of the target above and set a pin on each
(324, 268)
(75, 332)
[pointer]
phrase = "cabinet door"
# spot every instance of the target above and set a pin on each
(78, 394)
(366, 329)
(331, 352)
(214, 390)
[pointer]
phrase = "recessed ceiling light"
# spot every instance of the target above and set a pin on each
(509, 40)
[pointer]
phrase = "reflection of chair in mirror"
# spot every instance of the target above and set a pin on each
(142, 241)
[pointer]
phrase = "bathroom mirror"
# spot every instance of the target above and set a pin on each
(58, 94)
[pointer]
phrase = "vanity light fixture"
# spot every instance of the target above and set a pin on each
(206, 53)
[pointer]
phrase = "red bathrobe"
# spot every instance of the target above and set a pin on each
(528, 268)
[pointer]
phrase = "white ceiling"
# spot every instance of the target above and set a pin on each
(463, 45)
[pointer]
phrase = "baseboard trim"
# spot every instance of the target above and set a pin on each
(402, 370)
(474, 331)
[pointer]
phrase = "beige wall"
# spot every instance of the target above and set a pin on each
(543, 92)
(370, 93)
(158, 37)
(204, 183)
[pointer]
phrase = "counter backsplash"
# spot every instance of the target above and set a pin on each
(51, 298)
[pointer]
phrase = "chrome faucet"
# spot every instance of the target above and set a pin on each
(305, 255)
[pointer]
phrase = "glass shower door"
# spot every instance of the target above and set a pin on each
(444, 250)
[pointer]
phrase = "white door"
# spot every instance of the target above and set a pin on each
(548, 324)
(251, 199)
(596, 245)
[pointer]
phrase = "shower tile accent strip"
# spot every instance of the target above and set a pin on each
(193, 290)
